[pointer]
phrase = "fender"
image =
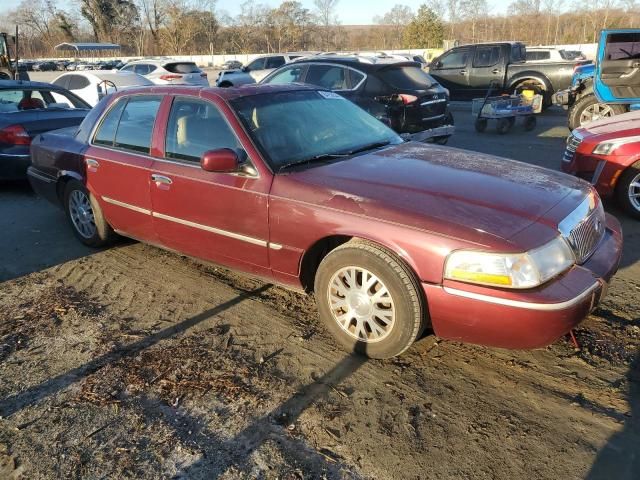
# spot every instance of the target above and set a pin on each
(531, 75)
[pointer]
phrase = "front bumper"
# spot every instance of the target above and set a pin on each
(601, 171)
(14, 167)
(525, 319)
(426, 135)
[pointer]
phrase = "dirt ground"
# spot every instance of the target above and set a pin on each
(132, 362)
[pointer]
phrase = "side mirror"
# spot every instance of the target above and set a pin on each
(222, 160)
(246, 69)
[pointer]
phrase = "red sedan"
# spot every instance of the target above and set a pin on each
(302, 187)
(606, 153)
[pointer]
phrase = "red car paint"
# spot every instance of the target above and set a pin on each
(420, 201)
(603, 171)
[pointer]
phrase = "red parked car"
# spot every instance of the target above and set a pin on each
(606, 153)
(304, 188)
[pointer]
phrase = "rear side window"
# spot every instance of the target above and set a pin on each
(518, 53)
(407, 78)
(196, 126)
(141, 69)
(107, 130)
(355, 78)
(257, 64)
(62, 81)
(78, 82)
(275, 62)
(486, 56)
(332, 77)
(622, 46)
(186, 67)
(135, 125)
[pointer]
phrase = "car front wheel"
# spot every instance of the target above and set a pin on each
(85, 216)
(369, 300)
(628, 190)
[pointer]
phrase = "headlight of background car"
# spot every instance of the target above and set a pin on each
(520, 270)
(609, 146)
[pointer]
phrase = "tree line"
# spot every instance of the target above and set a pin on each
(174, 27)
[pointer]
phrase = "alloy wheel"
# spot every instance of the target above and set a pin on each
(596, 112)
(81, 214)
(634, 192)
(361, 304)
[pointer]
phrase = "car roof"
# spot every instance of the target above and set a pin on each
(226, 94)
(17, 84)
(118, 77)
(364, 63)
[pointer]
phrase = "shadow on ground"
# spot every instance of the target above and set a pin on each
(619, 459)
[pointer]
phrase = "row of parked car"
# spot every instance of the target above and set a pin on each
(291, 181)
(67, 65)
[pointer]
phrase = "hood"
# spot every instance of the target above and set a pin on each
(467, 195)
(624, 125)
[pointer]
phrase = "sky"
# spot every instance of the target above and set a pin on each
(350, 12)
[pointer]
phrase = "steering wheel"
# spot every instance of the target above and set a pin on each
(108, 83)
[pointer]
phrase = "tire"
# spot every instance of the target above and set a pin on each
(481, 125)
(503, 125)
(587, 109)
(627, 189)
(85, 216)
(369, 335)
(530, 123)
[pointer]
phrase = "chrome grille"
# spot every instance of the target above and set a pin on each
(584, 228)
(573, 142)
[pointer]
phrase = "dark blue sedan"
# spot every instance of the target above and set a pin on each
(27, 109)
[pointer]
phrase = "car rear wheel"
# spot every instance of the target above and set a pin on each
(628, 190)
(369, 300)
(85, 216)
(588, 109)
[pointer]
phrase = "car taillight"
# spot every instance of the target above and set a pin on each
(14, 135)
(170, 77)
(407, 99)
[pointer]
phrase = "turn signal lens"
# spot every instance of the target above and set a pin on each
(407, 99)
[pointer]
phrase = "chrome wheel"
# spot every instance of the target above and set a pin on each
(361, 304)
(634, 192)
(81, 214)
(596, 112)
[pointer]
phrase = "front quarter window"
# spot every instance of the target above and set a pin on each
(297, 127)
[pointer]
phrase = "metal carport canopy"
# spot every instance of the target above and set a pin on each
(83, 47)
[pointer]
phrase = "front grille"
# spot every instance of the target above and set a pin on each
(573, 142)
(584, 228)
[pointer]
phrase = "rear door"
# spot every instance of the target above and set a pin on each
(119, 164)
(487, 66)
(617, 77)
(219, 217)
(451, 69)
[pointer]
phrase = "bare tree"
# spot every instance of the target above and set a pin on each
(326, 12)
(397, 18)
(474, 10)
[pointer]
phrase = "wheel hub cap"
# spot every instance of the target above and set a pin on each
(634, 192)
(81, 214)
(361, 304)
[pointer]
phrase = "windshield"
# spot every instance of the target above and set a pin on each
(18, 100)
(298, 126)
(407, 78)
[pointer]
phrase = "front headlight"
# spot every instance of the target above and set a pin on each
(519, 270)
(608, 147)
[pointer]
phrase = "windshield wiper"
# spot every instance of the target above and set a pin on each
(332, 156)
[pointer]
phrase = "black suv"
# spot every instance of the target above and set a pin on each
(396, 91)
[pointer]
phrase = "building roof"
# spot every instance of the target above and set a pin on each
(81, 47)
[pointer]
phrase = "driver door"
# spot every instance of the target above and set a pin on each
(451, 70)
(617, 77)
(219, 217)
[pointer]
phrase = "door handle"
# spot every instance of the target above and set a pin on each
(92, 165)
(161, 179)
(463, 72)
(495, 71)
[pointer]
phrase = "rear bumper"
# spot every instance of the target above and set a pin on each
(43, 185)
(14, 167)
(425, 135)
(529, 319)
